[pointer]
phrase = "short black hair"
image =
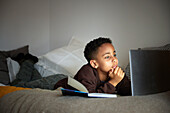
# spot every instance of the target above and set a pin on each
(92, 47)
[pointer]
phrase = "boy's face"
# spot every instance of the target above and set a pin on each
(106, 58)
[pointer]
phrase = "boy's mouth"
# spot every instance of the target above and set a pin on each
(114, 66)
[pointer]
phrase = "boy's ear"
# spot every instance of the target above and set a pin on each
(94, 64)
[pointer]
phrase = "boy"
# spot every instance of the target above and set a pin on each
(101, 74)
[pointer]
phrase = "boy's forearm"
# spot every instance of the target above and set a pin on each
(113, 83)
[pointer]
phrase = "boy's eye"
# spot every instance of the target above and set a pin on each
(107, 57)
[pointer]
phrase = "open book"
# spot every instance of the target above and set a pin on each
(82, 91)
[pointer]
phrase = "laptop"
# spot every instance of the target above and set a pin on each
(150, 71)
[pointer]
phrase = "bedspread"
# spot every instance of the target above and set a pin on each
(8, 89)
(48, 101)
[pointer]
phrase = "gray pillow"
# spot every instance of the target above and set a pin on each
(4, 76)
(165, 47)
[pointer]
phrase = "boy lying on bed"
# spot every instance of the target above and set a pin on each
(101, 75)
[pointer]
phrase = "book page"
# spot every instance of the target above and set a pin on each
(102, 95)
(74, 83)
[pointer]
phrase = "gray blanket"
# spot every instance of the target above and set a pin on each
(47, 101)
(29, 77)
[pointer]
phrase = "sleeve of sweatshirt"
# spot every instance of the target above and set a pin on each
(124, 86)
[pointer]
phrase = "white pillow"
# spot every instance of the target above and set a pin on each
(70, 58)
(13, 68)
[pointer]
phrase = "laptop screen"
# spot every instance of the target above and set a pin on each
(150, 71)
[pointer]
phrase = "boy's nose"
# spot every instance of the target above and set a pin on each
(114, 60)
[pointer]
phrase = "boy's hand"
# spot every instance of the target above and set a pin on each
(116, 75)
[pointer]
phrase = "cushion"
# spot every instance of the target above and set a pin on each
(15, 52)
(66, 60)
(13, 68)
(165, 47)
(4, 76)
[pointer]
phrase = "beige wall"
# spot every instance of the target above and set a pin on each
(24, 22)
(49, 24)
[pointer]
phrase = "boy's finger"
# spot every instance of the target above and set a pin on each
(119, 71)
(115, 71)
(122, 74)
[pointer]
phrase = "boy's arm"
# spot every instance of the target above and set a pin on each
(90, 79)
(94, 87)
(124, 87)
(120, 81)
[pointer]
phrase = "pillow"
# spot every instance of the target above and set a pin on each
(4, 76)
(14, 53)
(13, 68)
(66, 60)
(165, 47)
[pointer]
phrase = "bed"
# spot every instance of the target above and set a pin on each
(28, 100)
(46, 101)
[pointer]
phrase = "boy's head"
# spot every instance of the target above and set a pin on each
(91, 48)
(101, 54)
